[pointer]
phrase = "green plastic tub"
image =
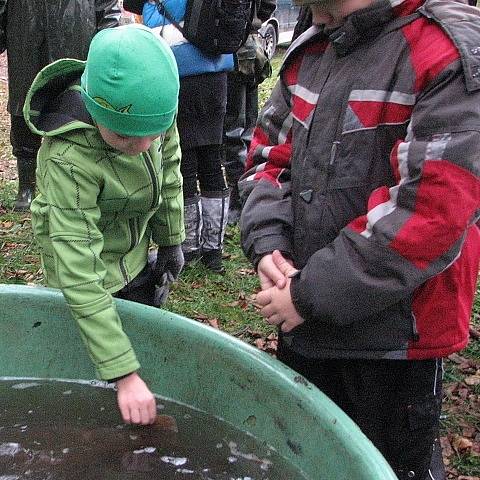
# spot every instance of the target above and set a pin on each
(201, 367)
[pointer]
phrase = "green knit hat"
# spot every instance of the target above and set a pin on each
(130, 83)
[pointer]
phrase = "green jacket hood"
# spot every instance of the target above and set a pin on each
(54, 104)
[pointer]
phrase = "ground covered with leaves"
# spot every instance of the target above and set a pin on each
(228, 303)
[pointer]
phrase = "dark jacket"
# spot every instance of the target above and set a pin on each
(3, 24)
(365, 170)
(39, 32)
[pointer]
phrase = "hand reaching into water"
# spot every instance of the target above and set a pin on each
(135, 401)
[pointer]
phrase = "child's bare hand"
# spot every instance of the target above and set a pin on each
(272, 270)
(284, 265)
(135, 401)
(278, 308)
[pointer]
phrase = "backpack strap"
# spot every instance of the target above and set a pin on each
(190, 24)
(162, 10)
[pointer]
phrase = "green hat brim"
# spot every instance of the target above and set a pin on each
(128, 124)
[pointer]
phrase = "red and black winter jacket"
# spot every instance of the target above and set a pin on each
(364, 169)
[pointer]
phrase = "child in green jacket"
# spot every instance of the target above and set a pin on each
(109, 182)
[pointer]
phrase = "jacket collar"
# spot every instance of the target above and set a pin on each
(359, 27)
(368, 23)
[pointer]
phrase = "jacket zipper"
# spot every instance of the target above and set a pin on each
(153, 178)
(132, 225)
(333, 154)
(133, 228)
(325, 81)
(133, 233)
(337, 135)
(123, 271)
(415, 334)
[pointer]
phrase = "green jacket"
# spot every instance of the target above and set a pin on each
(97, 210)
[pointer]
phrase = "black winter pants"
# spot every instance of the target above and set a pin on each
(25, 143)
(240, 120)
(205, 165)
(143, 288)
(396, 403)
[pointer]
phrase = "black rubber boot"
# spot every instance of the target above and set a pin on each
(235, 207)
(212, 259)
(26, 183)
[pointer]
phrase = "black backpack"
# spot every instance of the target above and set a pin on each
(214, 26)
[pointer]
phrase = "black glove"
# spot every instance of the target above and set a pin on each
(169, 264)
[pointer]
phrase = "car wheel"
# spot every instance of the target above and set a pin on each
(270, 40)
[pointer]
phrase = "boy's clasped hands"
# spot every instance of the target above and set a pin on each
(275, 272)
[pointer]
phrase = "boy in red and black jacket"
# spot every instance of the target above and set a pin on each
(364, 194)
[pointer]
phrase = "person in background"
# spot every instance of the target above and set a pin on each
(252, 67)
(361, 218)
(201, 112)
(35, 33)
(109, 183)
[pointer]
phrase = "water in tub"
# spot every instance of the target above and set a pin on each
(65, 430)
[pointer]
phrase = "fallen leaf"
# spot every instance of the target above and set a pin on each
(246, 271)
(467, 368)
(460, 444)
(452, 473)
(463, 393)
(236, 303)
(456, 358)
(272, 346)
(253, 333)
(213, 322)
(469, 431)
(474, 333)
(472, 380)
(451, 388)
(166, 422)
(447, 449)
